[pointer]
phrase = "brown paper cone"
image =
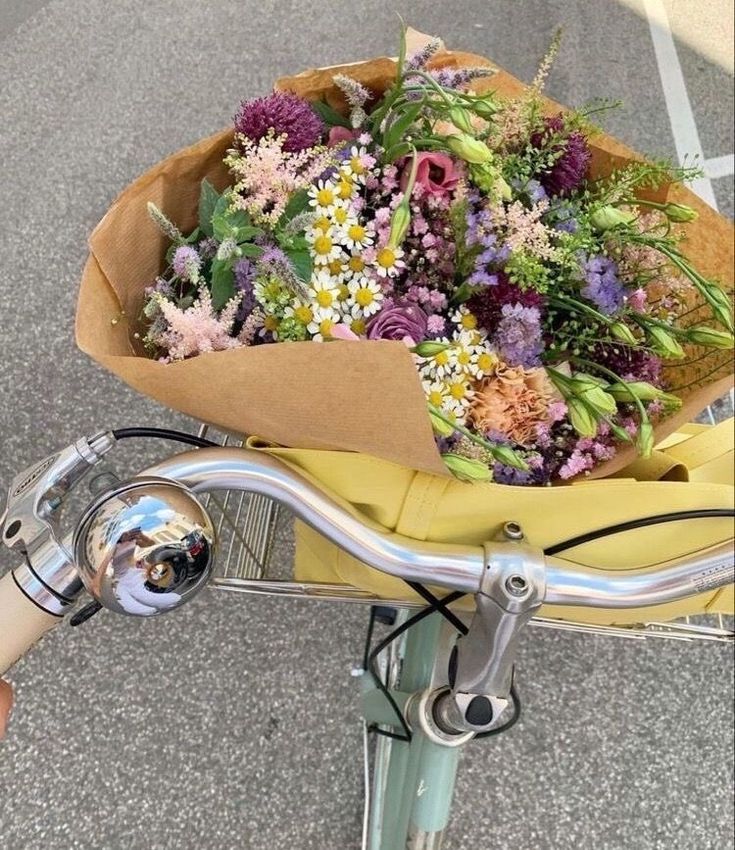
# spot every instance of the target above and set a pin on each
(363, 397)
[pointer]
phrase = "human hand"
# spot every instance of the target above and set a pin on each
(6, 704)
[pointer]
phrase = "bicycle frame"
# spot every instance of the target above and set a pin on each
(413, 782)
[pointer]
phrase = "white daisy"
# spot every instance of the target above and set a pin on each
(357, 165)
(324, 198)
(355, 236)
(303, 313)
(440, 366)
(436, 393)
(388, 262)
(464, 319)
(323, 245)
(321, 326)
(354, 265)
(365, 296)
(324, 292)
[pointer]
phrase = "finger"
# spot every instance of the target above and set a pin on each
(6, 704)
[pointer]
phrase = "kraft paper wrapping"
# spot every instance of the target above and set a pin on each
(364, 397)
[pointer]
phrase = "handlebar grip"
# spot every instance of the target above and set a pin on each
(22, 623)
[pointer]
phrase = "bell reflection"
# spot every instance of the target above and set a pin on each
(145, 548)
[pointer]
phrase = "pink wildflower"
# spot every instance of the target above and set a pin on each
(575, 465)
(197, 329)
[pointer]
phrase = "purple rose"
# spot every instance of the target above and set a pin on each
(403, 319)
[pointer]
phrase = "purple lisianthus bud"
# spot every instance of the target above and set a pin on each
(403, 319)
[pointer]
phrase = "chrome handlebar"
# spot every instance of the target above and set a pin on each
(164, 552)
(453, 566)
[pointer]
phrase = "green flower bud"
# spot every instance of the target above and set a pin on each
(440, 426)
(430, 348)
(664, 343)
(622, 332)
(645, 439)
(680, 213)
(399, 224)
(468, 148)
(582, 381)
(583, 422)
(461, 119)
(600, 400)
(508, 457)
(501, 188)
(484, 107)
(466, 469)
(710, 337)
(620, 433)
(642, 391)
(608, 217)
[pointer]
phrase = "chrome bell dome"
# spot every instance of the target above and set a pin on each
(145, 547)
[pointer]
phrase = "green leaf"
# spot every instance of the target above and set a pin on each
(223, 283)
(193, 237)
(301, 261)
(398, 128)
(329, 115)
(208, 198)
(249, 250)
(297, 203)
(229, 224)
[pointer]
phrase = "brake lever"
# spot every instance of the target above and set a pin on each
(30, 522)
(36, 494)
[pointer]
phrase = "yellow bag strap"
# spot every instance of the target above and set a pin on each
(660, 466)
(422, 500)
(705, 446)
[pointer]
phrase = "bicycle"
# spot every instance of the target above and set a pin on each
(146, 545)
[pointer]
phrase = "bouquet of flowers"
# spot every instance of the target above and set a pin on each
(545, 304)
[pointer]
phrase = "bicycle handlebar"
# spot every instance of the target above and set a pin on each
(454, 566)
(457, 567)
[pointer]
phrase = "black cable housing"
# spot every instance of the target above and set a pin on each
(165, 434)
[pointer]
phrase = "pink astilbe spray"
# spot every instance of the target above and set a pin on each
(523, 228)
(198, 329)
(268, 175)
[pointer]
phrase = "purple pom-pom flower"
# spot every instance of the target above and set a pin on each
(281, 113)
(573, 156)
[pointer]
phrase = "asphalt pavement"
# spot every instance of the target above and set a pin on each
(234, 723)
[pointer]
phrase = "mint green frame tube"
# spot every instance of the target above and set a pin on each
(419, 782)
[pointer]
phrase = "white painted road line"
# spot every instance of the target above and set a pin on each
(681, 117)
(720, 166)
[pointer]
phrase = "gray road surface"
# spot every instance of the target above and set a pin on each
(234, 724)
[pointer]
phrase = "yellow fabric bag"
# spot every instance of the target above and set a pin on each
(691, 469)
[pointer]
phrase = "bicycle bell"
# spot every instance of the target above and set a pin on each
(145, 547)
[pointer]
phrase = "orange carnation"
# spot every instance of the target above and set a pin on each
(512, 402)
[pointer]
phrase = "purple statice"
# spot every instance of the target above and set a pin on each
(491, 256)
(187, 263)
(572, 157)
(603, 287)
(281, 113)
(487, 304)
(517, 337)
(503, 474)
(244, 277)
(530, 189)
